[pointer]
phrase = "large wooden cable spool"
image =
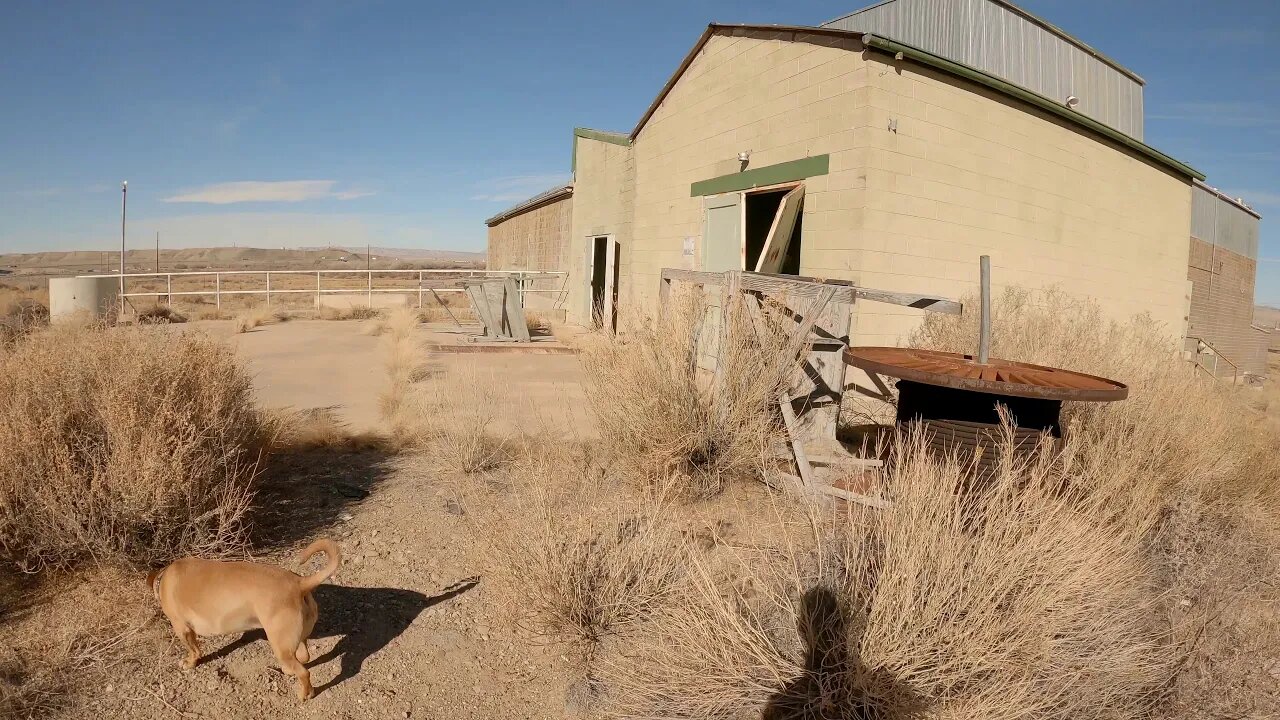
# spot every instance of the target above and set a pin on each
(956, 398)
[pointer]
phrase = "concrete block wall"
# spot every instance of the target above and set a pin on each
(535, 240)
(604, 181)
(965, 172)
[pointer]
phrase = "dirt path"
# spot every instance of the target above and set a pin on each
(409, 627)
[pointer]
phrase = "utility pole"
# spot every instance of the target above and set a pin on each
(124, 205)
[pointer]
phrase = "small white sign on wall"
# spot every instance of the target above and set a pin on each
(690, 245)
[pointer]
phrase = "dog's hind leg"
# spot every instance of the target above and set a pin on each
(302, 654)
(286, 645)
(188, 638)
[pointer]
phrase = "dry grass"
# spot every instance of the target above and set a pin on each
(579, 561)
(1005, 603)
(458, 414)
(296, 431)
(127, 444)
(405, 364)
(254, 318)
(1179, 434)
(660, 415)
(88, 631)
(160, 315)
(1184, 468)
(355, 312)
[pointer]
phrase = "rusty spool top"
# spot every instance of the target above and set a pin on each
(997, 377)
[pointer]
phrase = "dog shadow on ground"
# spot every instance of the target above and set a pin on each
(366, 619)
(836, 683)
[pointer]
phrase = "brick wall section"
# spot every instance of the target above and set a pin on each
(1222, 284)
(967, 172)
(534, 240)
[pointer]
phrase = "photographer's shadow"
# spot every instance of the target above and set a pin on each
(836, 683)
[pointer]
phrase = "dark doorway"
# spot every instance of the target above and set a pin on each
(762, 208)
(599, 269)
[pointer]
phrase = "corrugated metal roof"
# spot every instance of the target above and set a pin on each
(1029, 16)
(1006, 41)
(952, 67)
(543, 198)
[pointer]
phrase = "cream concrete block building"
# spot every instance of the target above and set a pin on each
(911, 168)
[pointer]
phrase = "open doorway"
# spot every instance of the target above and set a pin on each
(772, 230)
(604, 282)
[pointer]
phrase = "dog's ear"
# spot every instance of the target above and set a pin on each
(151, 578)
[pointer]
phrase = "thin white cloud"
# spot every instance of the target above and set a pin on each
(249, 191)
(1221, 114)
(514, 188)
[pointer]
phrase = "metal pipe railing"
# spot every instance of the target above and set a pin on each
(523, 278)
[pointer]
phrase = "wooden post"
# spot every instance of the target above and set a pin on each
(984, 319)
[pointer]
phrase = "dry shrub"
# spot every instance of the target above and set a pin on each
(580, 562)
(1178, 432)
(131, 443)
(160, 315)
(660, 415)
(298, 431)
(458, 414)
(404, 363)
(1004, 602)
(213, 313)
(355, 312)
(1183, 467)
(23, 314)
(253, 318)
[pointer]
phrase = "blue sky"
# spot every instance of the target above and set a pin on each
(406, 124)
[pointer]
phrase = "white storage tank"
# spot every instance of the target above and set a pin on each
(96, 297)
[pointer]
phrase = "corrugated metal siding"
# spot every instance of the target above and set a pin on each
(993, 38)
(1220, 222)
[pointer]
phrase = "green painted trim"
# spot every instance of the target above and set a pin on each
(759, 177)
(601, 135)
(1036, 99)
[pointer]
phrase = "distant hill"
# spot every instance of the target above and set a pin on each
(80, 262)
(1265, 316)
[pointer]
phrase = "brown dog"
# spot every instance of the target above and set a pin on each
(211, 597)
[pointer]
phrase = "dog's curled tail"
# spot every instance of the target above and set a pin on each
(329, 548)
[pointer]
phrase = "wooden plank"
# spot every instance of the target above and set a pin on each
(807, 320)
(855, 497)
(778, 240)
(440, 300)
(693, 276)
(513, 311)
(802, 462)
(796, 286)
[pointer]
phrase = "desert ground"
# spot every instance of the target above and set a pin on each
(582, 531)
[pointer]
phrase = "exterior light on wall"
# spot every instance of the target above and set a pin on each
(1072, 101)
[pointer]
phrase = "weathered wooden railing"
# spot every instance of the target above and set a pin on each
(820, 311)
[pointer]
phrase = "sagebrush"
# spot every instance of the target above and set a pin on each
(662, 414)
(130, 444)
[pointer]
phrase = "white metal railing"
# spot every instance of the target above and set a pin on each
(523, 277)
